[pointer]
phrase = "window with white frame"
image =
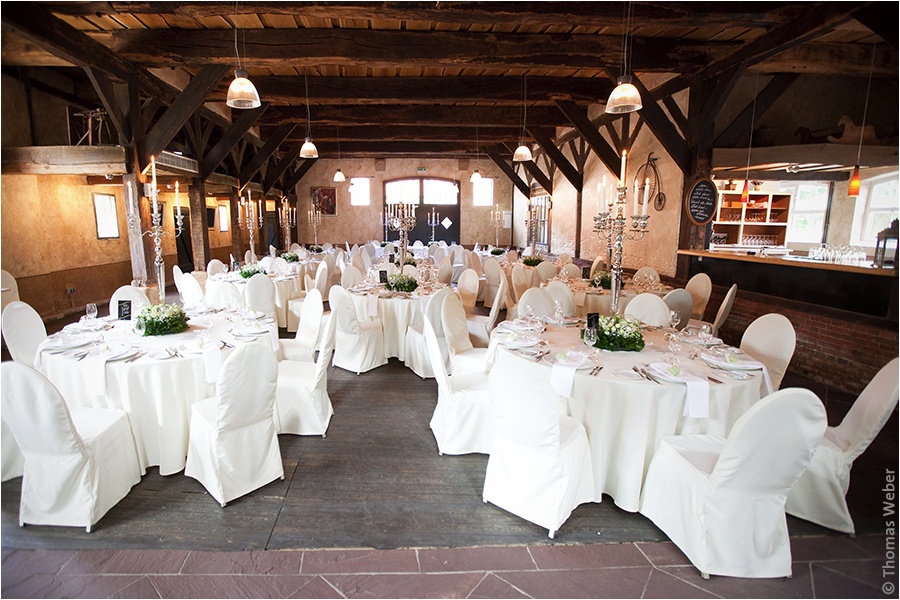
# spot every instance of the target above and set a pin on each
(359, 191)
(403, 190)
(440, 191)
(483, 192)
(876, 206)
(806, 223)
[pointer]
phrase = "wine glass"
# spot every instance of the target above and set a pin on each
(705, 334)
(674, 318)
(90, 310)
(139, 327)
(558, 312)
(590, 336)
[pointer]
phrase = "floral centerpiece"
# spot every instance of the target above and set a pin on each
(316, 249)
(402, 283)
(410, 260)
(249, 271)
(497, 251)
(162, 319)
(384, 244)
(290, 257)
(532, 261)
(616, 333)
(602, 279)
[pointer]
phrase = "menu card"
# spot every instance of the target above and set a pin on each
(124, 310)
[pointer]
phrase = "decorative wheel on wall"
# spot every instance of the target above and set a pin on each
(647, 184)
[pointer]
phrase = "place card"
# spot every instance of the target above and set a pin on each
(124, 310)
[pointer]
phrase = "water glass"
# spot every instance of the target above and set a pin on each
(674, 318)
(590, 336)
(705, 334)
(91, 311)
(139, 327)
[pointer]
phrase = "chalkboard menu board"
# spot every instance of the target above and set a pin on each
(382, 276)
(124, 310)
(700, 201)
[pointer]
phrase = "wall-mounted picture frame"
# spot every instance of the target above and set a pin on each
(325, 199)
(105, 214)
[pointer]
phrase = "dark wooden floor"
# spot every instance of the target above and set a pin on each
(376, 481)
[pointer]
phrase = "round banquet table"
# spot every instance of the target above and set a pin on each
(625, 418)
(157, 393)
(286, 287)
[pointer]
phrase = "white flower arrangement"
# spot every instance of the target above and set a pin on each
(162, 319)
(617, 333)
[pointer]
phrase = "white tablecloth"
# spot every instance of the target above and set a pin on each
(395, 314)
(156, 394)
(286, 287)
(625, 419)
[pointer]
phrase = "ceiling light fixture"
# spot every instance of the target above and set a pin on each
(523, 152)
(855, 182)
(745, 193)
(625, 98)
(476, 176)
(339, 177)
(308, 149)
(241, 93)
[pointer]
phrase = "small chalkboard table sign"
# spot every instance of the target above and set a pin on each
(382, 276)
(124, 310)
(585, 272)
(700, 201)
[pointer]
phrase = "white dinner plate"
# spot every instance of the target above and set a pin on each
(530, 352)
(739, 375)
(120, 353)
(741, 365)
(161, 354)
(628, 374)
(587, 364)
(518, 340)
(195, 347)
(67, 344)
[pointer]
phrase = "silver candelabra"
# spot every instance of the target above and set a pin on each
(611, 226)
(497, 222)
(251, 220)
(532, 223)
(314, 218)
(156, 230)
(288, 219)
(434, 220)
(402, 218)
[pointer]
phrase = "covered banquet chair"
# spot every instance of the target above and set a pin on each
(771, 340)
(260, 295)
(545, 271)
(417, 357)
(481, 326)
(215, 267)
(295, 305)
(563, 297)
(646, 274)
(492, 275)
(132, 294)
(467, 287)
(820, 494)
(700, 288)
(464, 356)
(721, 501)
(191, 292)
(233, 448)
(10, 288)
(539, 467)
(302, 347)
(571, 271)
(681, 302)
(359, 345)
(649, 309)
(223, 295)
(461, 422)
(722, 314)
(79, 463)
(598, 264)
(520, 281)
(536, 302)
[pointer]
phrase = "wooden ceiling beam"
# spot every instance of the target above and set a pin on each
(510, 172)
(419, 115)
(263, 154)
(663, 129)
(591, 135)
(399, 133)
(281, 166)
(740, 126)
(559, 159)
(294, 178)
(231, 137)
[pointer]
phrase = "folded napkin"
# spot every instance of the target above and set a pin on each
(212, 362)
(273, 334)
(696, 402)
(372, 306)
(562, 374)
(579, 297)
(94, 367)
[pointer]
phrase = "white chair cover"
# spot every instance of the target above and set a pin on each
(520, 281)
(461, 422)
(432, 249)
(597, 265)
(223, 295)
(390, 267)
(177, 273)
(78, 464)
(537, 302)
(249, 257)
(261, 295)
(302, 404)
(351, 277)
(127, 292)
(649, 309)
(371, 250)
(215, 267)
(295, 305)
(680, 301)
(545, 271)
(418, 244)
(295, 248)
(467, 286)
(279, 266)
(8, 282)
(233, 447)
(481, 326)
(445, 271)
(648, 274)
(475, 263)
(359, 345)
(23, 330)
(492, 275)
(771, 340)
(571, 270)
(303, 346)
(700, 288)
(721, 315)
(561, 293)
(564, 258)
(327, 247)
(410, 270)
(438, 255)
(191, 292)
(366, 259)
(512, 257)
(464, 357)
(540, 463)
(527, 252)
(819, 495)
(416, 357)
(357, 261)
(722, 501)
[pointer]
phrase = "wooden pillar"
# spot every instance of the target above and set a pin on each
(199, 224)
(237, 244)
(136, 246)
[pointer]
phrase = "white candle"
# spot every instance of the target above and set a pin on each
(646, 195)
(259, 203)
(153, 183)
(177, 201)
(622, 172)
(635, 209)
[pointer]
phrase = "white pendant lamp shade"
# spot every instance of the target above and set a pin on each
(339, 176)
(308, 150)
(242, 93)
(625, 98)
(522, 154)
(476, 176)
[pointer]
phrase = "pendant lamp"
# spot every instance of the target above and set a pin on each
(625, 98)
(523, 152)
(308, 149)
(241, 93)
(855, 183)
(745, 193)
(476, 176)
(338, 175)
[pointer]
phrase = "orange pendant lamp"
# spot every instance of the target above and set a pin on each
(745, 193)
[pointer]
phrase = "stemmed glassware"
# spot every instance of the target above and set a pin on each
(91, 311)
(674, 349)
(139, 327)
(674, 319)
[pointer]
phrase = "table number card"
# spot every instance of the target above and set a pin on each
(593, 320)
(391, 257)
(382, 276)
(585, 272)
(124, 309)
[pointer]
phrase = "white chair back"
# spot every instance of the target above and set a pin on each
(700, 288)
(649, 309)
(310, 319)
(771, 340)
(438, 366)
(527, 252)
(366, 258)
(343, 312)
(520, 281)
(597, 265)
(871, 411)
(432, 249)
(321, 280)
(223, 295)
(351, 277)
(214, 267)
(177, 274)
(561, 293)
(438, 254)
(418, 244)
(8, 282)
(571, 271)
(680, 301)
(724, 309)
(410, 270)
(546, 270)
(249, 257)
(434, 310)
(370, 250)
(136, 296)
(647, 275)
(564, 258)
(357, 261)
(453, 319)
(475, 263)
(191, 292)
(260, 294)
(445, 271)
(245, 391)
(525, 406)
(295, 248)
(279, 266)
(467, 286)
(501, 297)
(24, 330)
(536, 302)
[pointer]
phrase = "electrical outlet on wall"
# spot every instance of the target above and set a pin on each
(70, 289)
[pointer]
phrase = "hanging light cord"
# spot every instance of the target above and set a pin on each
(306, 86)
(236, 53)
(752, 120)
(524, 106)
(866, 107)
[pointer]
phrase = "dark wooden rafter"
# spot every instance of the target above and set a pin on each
(508, 170)
(559, 159)
(294, 178)
(740, 126)
(676, 113)
(535, 171)
(149, 107)
(578, 118)
(663, 129)
(105, 91)
(281, 166)
(722, 88)
(424, 116)
(263, 154)
(232, 136)
(178, 113)
(632, 137)
(24, 73)
(614, 135)
(413, 132)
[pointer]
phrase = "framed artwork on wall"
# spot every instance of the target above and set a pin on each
(105, 213)
(325, 199)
